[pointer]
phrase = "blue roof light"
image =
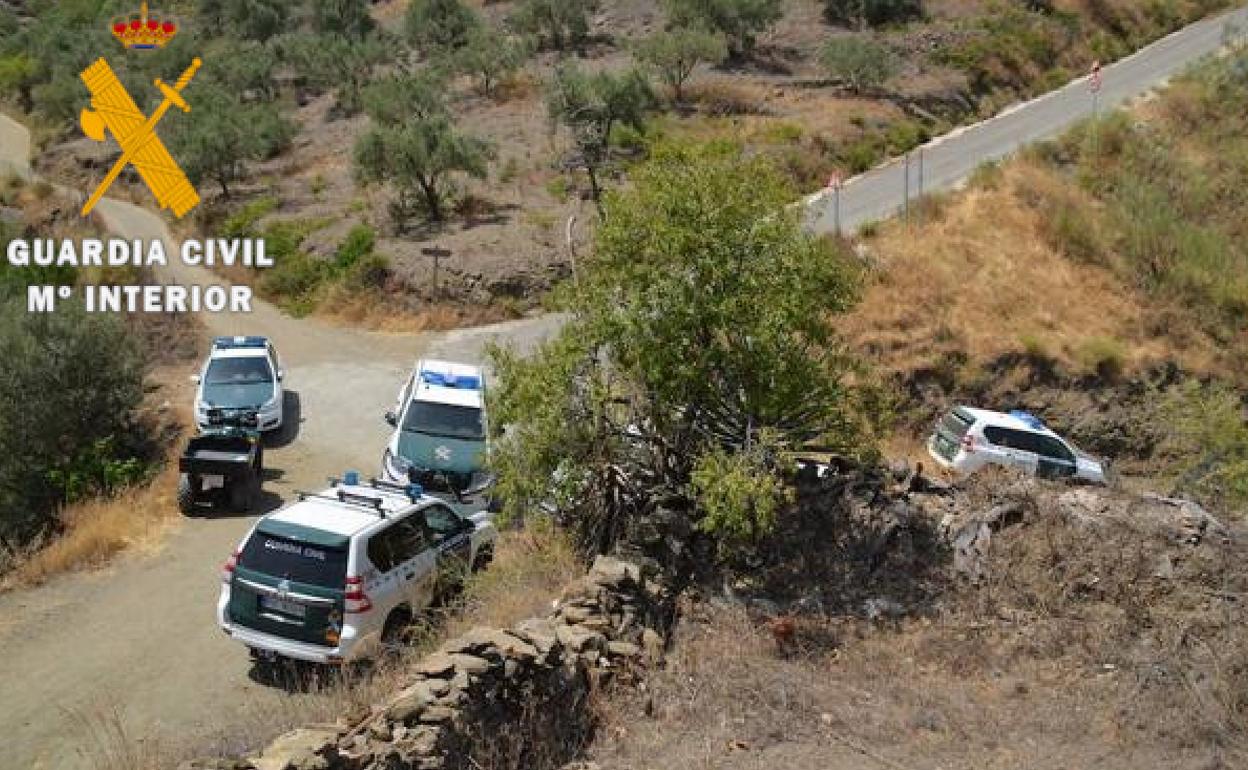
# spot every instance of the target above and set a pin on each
(447, 380)
(224, 343)
(351, 478)
(414, 491)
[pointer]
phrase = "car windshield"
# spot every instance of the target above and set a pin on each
(238, 371)
(463, 422)
(281, 557)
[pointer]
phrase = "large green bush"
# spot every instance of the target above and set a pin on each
(699, 354)
(68, 388)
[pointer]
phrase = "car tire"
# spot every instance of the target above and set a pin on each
(241, 495)
(186, 494)
(394, 633)
(483, 559)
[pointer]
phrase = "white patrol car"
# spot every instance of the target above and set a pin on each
(339, 574)
(968, 439)
(241, 373)
(440, 427)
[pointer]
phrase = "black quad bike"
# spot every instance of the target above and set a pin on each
(223, 465)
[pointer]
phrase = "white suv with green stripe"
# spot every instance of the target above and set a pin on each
(333, 576)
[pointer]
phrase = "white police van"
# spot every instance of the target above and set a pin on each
(340, 574)
(241, 373)
(967, 439)
(441, 432)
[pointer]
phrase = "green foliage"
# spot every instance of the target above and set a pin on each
(225, 135)
(344, 18)
(242, 224)
(739, 21)
(557, 24)
(489, 56)
(699, 345)
(874, 13)
(18, 74)
(413, 144)
(250, 19)
(1102, 356)
(860, 63)
(438, 25)
(589, 105)
(674, 54)
(1011, 47)
(358, 244)
(245, 68)
(1208, 437)
(343, 64)
(67, 390)
(739, 493)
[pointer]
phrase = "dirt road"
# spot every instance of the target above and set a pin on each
(140, 637)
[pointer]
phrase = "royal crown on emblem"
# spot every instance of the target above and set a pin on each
(144, 31)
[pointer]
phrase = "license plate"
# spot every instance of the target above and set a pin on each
(283, 606)
(213, 482)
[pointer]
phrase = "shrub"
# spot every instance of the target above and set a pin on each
(71, 381)
(861, 13)
(673, 55)
(436, 25)
(1209, 441)
(1102, 356)
(489, 56)
(556, 24)
(860, 63)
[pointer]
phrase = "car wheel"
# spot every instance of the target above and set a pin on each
(241, 495)
(484, 557)
(186, 494)
(394, 633)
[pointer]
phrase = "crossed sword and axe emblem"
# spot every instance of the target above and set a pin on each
(115, 110)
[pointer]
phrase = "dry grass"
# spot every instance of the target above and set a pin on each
(987, 279)
(95, 530)
(1073, 654)
(369, 310)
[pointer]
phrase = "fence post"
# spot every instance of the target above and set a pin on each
(905, 190)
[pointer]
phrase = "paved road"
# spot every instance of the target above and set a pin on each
(139, 637)
(950, 159)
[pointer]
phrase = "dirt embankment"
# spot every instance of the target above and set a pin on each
(1008, 623)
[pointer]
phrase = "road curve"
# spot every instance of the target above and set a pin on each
(948, 160)
(140, 637)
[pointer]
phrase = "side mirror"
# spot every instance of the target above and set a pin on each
(281, 374)
(392, 419)
(195, 379)
(485, 483)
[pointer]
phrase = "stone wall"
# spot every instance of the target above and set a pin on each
(495, 699)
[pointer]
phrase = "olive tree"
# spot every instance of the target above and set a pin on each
(739, 21)
(413, 144)
(590, 105)
(557, 24)
(488, 56)
(698, 354)
(434, 26)
(862, 64)
(674, 54)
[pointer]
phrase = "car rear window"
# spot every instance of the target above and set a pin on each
(300, 562)
(956, 424)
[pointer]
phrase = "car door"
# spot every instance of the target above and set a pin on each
(1013, 447)
(1055, 460)
(400, 553)
(451, 537)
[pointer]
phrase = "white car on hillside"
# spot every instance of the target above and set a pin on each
(967, 439)
(340, 575)
(241, 374)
